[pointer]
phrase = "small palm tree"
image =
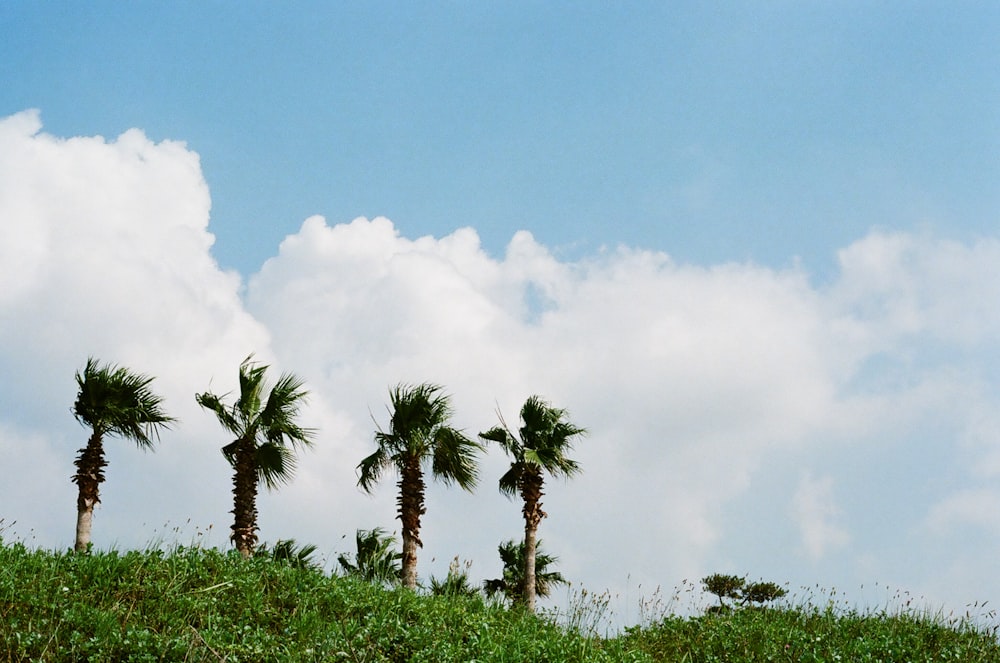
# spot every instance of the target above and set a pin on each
(456, 583)
(112, 401)
(418, 433)
(511, 585)
(266, 434)
(286, 551)
(540, 447)
(376, 560)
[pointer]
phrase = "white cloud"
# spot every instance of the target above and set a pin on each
(105, 252)
(818, 517)
(904, 284)
(699, 384)
(978, 507)
(679, 372)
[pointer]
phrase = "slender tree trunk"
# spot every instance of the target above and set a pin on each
(531, 491)
(530, 538)
(244, 535)
(89, 475)
(411, 507)
(84, 522)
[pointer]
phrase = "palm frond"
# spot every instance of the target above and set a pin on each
(288, 552)
(510, 482)
(414, 417)
(269, 423)
(282, 407)
(224, 414)
(548, 436)
(112, 399)
(543, 440)
(531, 457)
(229, 451)
(251, 387)
(370, 469)
(508, 443)
(275, 465)
(376, 559)
(455, 458)
(537, 416)
(494, 586)
(456, 583)
(418, 428)
(552, 457)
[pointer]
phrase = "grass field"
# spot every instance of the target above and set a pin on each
(195, 604)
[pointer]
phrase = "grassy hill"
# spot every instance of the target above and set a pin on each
(192, 604)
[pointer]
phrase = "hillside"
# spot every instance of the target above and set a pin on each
(192, 604)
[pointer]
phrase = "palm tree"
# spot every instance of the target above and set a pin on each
(376, 561)
(112, 401)
(266, 434)
(511, 585)
(540, 446)
(286, 551)
(419, 432)
(456, 583)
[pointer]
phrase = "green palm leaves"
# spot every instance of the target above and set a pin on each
(541, 445)
(376, 560)
(113, 400)
(264, 424)
(110, 400)
(418, 428)
(512, 584)
(419, 432)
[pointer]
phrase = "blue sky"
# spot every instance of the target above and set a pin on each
(752, 248)
(758, 131)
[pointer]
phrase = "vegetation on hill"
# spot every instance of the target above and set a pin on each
(193, 604)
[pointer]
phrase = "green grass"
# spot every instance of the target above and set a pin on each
(812, 636)
(193, 604)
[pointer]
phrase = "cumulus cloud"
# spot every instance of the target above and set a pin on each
(104, 251)
(683, 374)
(904, 285)
(707, 390)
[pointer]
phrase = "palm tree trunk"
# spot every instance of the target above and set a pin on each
(244, 511)
(531, 491)
(530, 537)
(90, 465)
(411, 507)
(84, 521)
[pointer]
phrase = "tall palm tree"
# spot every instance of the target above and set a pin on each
(112, 401)
(540, 447)
(418, 433)
(511, 585)
(266, 435)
